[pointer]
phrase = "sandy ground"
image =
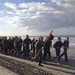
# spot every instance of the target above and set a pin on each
(5, 71)
(67, 68)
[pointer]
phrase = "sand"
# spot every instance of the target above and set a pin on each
(51, 66)
(5, 71)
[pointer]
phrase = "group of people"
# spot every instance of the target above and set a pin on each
(38, 46)
(58, 45)
(47, 44)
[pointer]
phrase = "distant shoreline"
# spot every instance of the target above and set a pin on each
(41, 35)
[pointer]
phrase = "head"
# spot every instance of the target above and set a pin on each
(67, 38)
(59, 38)
(27, 36)
(9, 37)
(41, 38)
(47, 38)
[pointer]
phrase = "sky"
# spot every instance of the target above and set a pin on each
(37, 17)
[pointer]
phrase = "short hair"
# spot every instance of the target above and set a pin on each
(41, 37)
(67, 37)
(59, 37)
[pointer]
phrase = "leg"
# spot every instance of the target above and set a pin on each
(58, 56)
(49, 53)
(61, 54)
(45, 54)
(40, 59)
(66, 57)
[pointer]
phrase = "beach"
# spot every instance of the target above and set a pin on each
(5, 71)
(26, 67)
(37, 37)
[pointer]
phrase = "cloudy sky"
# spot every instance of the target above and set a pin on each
(37, 17)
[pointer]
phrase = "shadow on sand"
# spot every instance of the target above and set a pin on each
(66, 67)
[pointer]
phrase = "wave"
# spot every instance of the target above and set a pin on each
(72, 44)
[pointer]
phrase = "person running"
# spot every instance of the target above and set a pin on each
(27, 42)
(39, 46)
(33, 47)
(5, 44)
(57, 46)
(1, 45)
(47, 46)
(65, 47)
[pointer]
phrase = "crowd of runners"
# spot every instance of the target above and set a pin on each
(16, 46)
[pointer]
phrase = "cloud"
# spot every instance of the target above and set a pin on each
(68, 7)
(42, 16)
(10, 5)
